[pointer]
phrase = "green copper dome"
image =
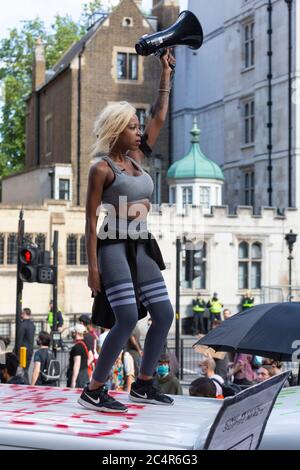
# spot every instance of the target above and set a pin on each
(195, 164)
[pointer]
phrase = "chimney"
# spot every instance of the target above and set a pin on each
(39, 65)
(138, 3)
(167, 12)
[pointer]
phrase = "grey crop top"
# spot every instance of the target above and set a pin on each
(134, 187)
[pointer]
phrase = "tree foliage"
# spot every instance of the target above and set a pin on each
(16, 58)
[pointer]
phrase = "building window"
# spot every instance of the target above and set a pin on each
(40, 241)
(205, 197)
(49, 135)
(127, 22)
(173, 195)
(5, 329)
(38, 327)
(12, 249)
(142, 117)
(187, 195)
(249, 122)
(127, 66)
(83, 254)
(249, 45)
(200, 260)
(250, 262)
(2, 239)
(64, 189)
(249, 188)
(72, 250)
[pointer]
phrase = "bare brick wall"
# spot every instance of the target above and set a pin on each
(56, 101)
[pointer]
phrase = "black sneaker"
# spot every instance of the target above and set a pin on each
(148, 393)
(99, 400)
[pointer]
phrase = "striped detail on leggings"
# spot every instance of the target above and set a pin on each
(153, 291)
(120, 293)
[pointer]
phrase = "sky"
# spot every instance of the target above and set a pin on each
(14, 11)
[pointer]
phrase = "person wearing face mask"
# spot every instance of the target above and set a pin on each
(8, 371)
(164, 380)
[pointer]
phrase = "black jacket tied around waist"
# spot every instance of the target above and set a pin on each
(102, 313)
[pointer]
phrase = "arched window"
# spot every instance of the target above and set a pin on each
(83, 255)
(256, 262)
(72, 249)
(12, 248)
(2, 248)
(250, 261)
(243, 250)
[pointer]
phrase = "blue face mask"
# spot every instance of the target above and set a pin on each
(163, 370)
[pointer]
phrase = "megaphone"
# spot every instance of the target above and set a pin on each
(186, 31)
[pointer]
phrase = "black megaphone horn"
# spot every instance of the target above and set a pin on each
(186, 31)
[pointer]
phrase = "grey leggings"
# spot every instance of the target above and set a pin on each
(119, 289)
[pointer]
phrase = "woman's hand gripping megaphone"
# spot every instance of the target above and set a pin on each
(166, 57)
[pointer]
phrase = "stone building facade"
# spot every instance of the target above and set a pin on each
(228, 242)
(237, 87)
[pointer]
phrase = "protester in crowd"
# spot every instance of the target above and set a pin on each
(77, 374)
(227, 314)
(173, 361)
(8, 370)
(132, 265)
(90, 339)
(123, 374)
(243, 372)
(274, 367)
(164, 379)
(26, 338)
(204, 387)
(41, 360)
(263, 374)
(208, 369)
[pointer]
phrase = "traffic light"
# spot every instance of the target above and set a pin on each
(28, 263)
(193, 264)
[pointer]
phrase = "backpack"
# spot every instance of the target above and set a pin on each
(229, 389)
(50, 372)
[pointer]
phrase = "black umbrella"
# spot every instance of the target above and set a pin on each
(268, 330)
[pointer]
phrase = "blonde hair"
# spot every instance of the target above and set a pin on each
(110, 123)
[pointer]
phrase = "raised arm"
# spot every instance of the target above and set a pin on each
(159, 110)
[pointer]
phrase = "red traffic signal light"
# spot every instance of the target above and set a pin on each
(28, 263)
(27, 255)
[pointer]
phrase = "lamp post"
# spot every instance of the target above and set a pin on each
(290, 239)
(290, 94)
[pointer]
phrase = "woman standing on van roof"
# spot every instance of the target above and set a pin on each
(126, 256)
